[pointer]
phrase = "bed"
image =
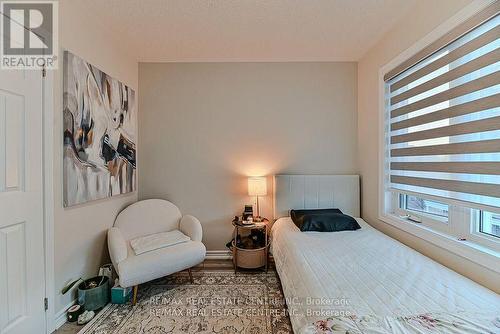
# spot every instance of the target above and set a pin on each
(364, 281)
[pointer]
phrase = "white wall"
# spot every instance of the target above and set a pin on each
(80, 245)
(204, 127)
(425, 17)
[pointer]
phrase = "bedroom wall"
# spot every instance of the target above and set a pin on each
(204, 127)
(425, 17)
(80, 231)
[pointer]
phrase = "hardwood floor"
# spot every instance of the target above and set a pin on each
(207, 265)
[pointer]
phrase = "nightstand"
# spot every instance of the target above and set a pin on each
(248, 254)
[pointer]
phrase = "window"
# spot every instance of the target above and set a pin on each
(490, 223)
(424, 206)
(441, 166)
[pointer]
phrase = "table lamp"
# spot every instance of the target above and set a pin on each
(257, 186)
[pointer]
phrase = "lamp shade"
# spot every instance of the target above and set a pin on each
(257, 186)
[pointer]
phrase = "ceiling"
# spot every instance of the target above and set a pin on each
(248, 30)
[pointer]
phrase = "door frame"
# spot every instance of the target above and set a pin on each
(48, 126)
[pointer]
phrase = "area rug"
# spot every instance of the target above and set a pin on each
(217, 302)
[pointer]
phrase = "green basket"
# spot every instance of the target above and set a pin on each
(94, 298)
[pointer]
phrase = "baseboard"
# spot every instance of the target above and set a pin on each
(60, 317)
(218, 255)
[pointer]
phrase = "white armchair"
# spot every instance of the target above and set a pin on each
(146, 218)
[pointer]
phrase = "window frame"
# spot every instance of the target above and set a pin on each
(480, 223)
(403, 205)
(435, 222)
(479, 237)
(477, 247)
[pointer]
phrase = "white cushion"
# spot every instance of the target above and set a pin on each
(137, 269)
(158, 240)
(148, 217)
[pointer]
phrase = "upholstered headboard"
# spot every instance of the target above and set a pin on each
(316, 192)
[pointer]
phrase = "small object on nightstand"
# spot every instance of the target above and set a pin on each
(248, 212)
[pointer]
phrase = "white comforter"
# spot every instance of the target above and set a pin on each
(366, 282)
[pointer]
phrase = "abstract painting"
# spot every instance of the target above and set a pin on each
(99, 115)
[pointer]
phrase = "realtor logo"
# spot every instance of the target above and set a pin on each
(29, 35)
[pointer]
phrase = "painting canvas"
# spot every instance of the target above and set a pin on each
(99, 114)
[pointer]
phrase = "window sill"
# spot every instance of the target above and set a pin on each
(474, 252)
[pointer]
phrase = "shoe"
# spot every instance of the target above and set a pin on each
(85, 317)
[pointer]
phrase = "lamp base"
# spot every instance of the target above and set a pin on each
(258, 209)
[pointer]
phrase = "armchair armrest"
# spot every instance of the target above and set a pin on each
(117, 246)
(191, 227)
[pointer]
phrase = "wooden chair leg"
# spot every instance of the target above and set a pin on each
(134, 296)
(190, 276)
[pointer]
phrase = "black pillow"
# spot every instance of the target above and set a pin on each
(327, 222)
(297, 215)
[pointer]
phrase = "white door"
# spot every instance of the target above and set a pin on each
(22, 277)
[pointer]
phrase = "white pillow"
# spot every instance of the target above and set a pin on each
(158, 240)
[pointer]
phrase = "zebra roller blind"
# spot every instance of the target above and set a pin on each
(443, 116)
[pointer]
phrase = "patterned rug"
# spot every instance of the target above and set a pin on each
(217, 302)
